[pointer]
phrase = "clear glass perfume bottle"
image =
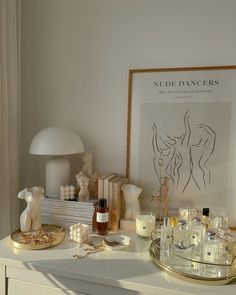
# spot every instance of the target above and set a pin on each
(166, 235)
(215, 252)
(187, 214)
(182, 238)
(227, 246)
(198, 232)
(211, 246)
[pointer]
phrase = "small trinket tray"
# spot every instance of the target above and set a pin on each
(48, 236)
(116, 242)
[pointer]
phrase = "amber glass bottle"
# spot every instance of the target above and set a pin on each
(102, 217)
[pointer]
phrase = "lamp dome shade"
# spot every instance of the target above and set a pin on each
(56, 141)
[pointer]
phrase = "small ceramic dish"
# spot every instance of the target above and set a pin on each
(116, 242)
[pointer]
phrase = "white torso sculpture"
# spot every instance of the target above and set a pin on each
(87, 168)
(83, 183)
(30, 218)
(131, 194)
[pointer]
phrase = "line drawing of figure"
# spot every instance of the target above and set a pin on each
(184, 157)
(205, 147)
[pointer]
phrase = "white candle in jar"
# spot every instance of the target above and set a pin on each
(145, 224)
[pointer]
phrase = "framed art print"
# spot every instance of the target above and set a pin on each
(182, 124)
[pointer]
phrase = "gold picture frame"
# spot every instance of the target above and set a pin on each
(167, 88)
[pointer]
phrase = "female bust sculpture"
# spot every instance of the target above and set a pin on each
(131, 194)
(83, 183)
(30, 218)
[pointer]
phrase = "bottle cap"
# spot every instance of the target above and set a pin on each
(211, 235)
(205, 211)
(197, 220)
(182, 222)
(102, 203)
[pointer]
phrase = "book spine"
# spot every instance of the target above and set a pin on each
(64, 223)
(67, 211)
(100, 188)
(116, 204)
(72, 204)
(106, 182)
(73, 219)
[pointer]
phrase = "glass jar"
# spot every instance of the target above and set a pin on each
(145, 224)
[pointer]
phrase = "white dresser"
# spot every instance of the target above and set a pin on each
(54, 272)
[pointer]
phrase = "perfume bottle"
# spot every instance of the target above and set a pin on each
(211, 247)
(166, 235)
(198, 232)
(187, 214)
(102, 217)
(215, 252)
(205, 216)
(219, 222)
(182, 234)
(227, 245)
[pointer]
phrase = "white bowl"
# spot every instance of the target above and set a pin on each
(117, 242)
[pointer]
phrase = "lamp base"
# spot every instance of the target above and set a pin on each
(57, 174)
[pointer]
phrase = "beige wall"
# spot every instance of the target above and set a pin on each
(76, 55)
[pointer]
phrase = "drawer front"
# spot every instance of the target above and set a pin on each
(58, 282)
(16, 287)
(2, 280)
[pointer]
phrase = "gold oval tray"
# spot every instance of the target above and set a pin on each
(184, 275)
(56, 232)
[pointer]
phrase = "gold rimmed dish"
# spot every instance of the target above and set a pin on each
(48, 236)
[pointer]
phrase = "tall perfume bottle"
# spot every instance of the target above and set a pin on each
(166, 234)
(215, 251)
(198, 232)
(102, 217)
(211, 247)
(166, 240)
(182, 234)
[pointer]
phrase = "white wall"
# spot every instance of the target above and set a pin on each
(76, 55)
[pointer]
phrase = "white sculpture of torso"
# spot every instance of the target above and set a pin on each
(83, 182)
(131, 194)
(30, 218)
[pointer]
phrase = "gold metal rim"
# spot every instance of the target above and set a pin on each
(60, 235)
(185, 276)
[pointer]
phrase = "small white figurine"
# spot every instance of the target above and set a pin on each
(30, 218)
(131, 194)
(79, 233)
(83, 183)
(87, 168)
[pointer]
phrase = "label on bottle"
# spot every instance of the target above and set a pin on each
(102, 217)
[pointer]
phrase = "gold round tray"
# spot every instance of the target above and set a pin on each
(48, 236)
(182, 272)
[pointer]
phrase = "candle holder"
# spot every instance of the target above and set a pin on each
(145, 224)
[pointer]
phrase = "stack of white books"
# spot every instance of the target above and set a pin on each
(66, 213)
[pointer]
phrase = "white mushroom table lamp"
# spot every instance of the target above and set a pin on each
(56, 142)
